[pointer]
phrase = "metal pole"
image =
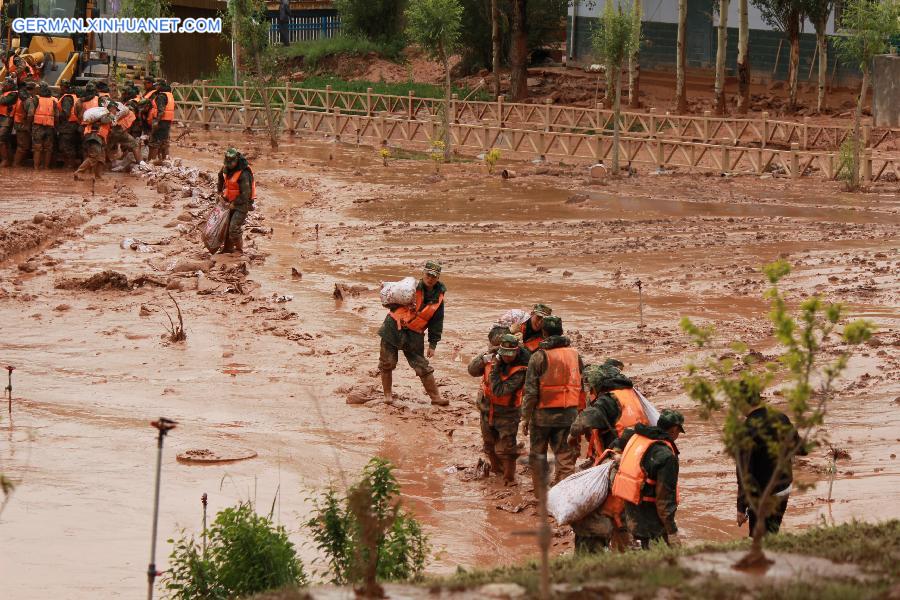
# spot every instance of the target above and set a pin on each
(640, 302)
(9, 371)
(203, 500)
(164, 425)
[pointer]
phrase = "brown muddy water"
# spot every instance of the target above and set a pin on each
(272, 377)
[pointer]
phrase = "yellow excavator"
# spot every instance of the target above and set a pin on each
(72, 57)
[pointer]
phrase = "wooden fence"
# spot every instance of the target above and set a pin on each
(302, 29)
(409, 120)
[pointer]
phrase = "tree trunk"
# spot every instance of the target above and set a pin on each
(446, 117)
(857, 133)
(634, 64)
(495, 45)
(680, 91)
(518, 54)
(743, 60)
(617, 105)
(721, 50)
(271, 126)
(794, 67)
(823, 68)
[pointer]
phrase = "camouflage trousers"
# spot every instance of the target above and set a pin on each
(389, 355)
(69, 143)
(159, 136)
(43, 138)
(499, 437)
(23, 140)
(119, 137)
(94, 159)
(556, 439)
(236, 219)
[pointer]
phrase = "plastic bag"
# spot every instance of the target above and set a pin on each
(216, 227)
(514, 316)
(94, 114)
(649, 409)
(580, 494)
(401, 292)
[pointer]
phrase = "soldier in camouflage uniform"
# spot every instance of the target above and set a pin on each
(8, 98)
(43, 135)
(653, 517)
(160, 125)
(22, 125)
(499, 399)
(69, 128)
(238, 188)
(553, 396)
(404, 329)
(119, 135)
(94, 149)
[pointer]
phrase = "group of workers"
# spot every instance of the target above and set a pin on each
(34, 120)
(531, 375)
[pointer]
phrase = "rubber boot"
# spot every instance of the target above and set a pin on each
(509, 470)
(151, 156)
(387, 382)
(228, 246)
(4, 155)
(431, 389)
(48, 159)
(496, 463)
(19, 157)
(37, 156)
(239, 244)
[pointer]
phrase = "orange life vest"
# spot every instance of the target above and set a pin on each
(73, 117)
(101, 130)
(19, 112)
(631, 413)
(126, 121)
(43, 114)
(92, 103)
(416, 318)
(168, 111)
(233, 188)
(631, 477)
(514, 399)
(7, 109)
(560, 385)
(533, 343)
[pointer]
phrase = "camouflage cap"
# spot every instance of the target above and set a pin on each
(30, 85)
(541, 310)
(64, 84)
(669, 418)
(44, 89)
(598, 377)
(432, 267)
(509, 345)
(497, 333)
(232, 154)
(552, 326)
(90, 87)
(614, 362)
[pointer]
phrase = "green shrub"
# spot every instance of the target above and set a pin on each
(314, 51)
(246, 554)
(376, 20)
(366, 532)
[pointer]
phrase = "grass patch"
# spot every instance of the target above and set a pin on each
(314, 51)
(421, 90)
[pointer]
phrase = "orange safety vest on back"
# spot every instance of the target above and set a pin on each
(631, 477)
(73, 116)
(560, 385)
(6, 109)
(416, 318)
(631, 413)
(43, 114)
(514, 399)
(168, 111)
(233, 188)
(533, 343)
(101, 130)
(19, 112)
(126, 121)
(92, 103)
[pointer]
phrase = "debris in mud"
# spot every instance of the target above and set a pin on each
(295, 274)
(145, 311)
(577, 198)
(515, 508)
(28, 267)
(176, 333)
(338, 294)
(20, 236)
(142, 280)
(133, 244)
(216, 455)
(107, 280)
(62, 308)
(279, 298)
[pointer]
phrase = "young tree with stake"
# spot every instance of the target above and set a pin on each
(743, 60)
(614, 39)
(786, 16)
(731, 387)
(866, 28)
(435, 25)
(818, 12)
(721, 51)
(634, 61)
(681, 59)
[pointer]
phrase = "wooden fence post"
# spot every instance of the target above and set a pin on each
(335, 125)
(204, 105)
(288, 112)
(547, 103)
(726, 159)
(246, 102)
(410, 111)
(500, 99)
(804, 134)
(866, 135)
(454, 116)
(368, 102)
(660, 155)
(765, 129)
(795, 160)
(706, 117)
(328, 98)
(867, 166)
(653, 122)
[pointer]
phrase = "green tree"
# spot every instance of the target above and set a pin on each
(818, 12)
(249, 26)
(435, 25)
(145, 9)
(634, 62)
(725, 384)
(246, 554)
(376, 20)
(721, 51)
(743, 61)
(866, 29)
(365, 535)
(786, 16)
(518, 51)
(615, 38)
(681, 59)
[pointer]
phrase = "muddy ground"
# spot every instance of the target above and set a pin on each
(272, 356)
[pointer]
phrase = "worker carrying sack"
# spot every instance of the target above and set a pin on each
(94, 114)
(514, 316)
(649, 410)
(398, 293)
(216, 227)
(580, 494)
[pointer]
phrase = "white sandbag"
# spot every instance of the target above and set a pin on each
(649, 410)
(94, 114)
(578, 495)
(514, 316)
(401, 292)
